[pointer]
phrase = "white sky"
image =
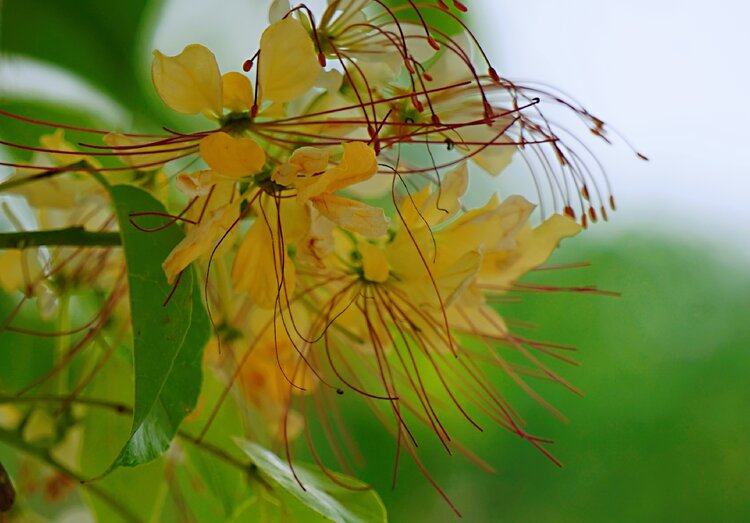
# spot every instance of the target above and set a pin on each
(672, 75)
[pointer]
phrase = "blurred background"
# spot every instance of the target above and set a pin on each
(662, 433)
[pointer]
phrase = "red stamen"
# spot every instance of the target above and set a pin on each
(461, 7)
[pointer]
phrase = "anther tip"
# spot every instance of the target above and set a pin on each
(247, 65)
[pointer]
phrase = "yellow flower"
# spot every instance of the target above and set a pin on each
(532, 247)
(237, 92)
(66, 190)
(307, 172)
(200, 240)
(19, 269)
(288, 62)
(191, 83)
(275, 370)
(232, 157)
(262, 267)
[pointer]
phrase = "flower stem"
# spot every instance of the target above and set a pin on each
(71, 236)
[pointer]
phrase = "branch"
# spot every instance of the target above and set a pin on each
(72, 236)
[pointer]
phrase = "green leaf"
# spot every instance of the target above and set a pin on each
(23, 358)
(93, 39)
(168, 340)
(276, 507)
(102, 435)
(321, 495)
(227, 483)
(434, 17)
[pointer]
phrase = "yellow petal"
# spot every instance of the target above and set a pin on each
(237, 92)
(436, 206)
(287, 218)
(453, 279)
(295, 220)
(352, 215)
(199, 240)
(469, 232)
(233, 157)
(189, 82)
(57, 142)
(18, 268)
(64, 191)
(416, 277)
(534, 247)
(495, 157)
(358, 164)
(195, 184)
(278, 10)
(288, 62)
(257, 268)
(374, 262)
(318, 243)
(305, 162)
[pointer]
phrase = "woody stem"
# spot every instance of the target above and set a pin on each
(71, 236)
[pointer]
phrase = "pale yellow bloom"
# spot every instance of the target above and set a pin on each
(375, 267)
(275, 370)
(489, 146)
(189, 82)
(18, 268)
(237, 92)
(307, 171)
(262, 267)
(232, 157)
(199, 240)
(288, 62)
(532, 248)
(67, 190)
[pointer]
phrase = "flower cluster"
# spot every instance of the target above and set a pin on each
(325, 211)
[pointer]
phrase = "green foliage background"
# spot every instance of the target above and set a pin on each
(662, 434)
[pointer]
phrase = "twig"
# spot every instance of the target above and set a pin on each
(71, 236)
